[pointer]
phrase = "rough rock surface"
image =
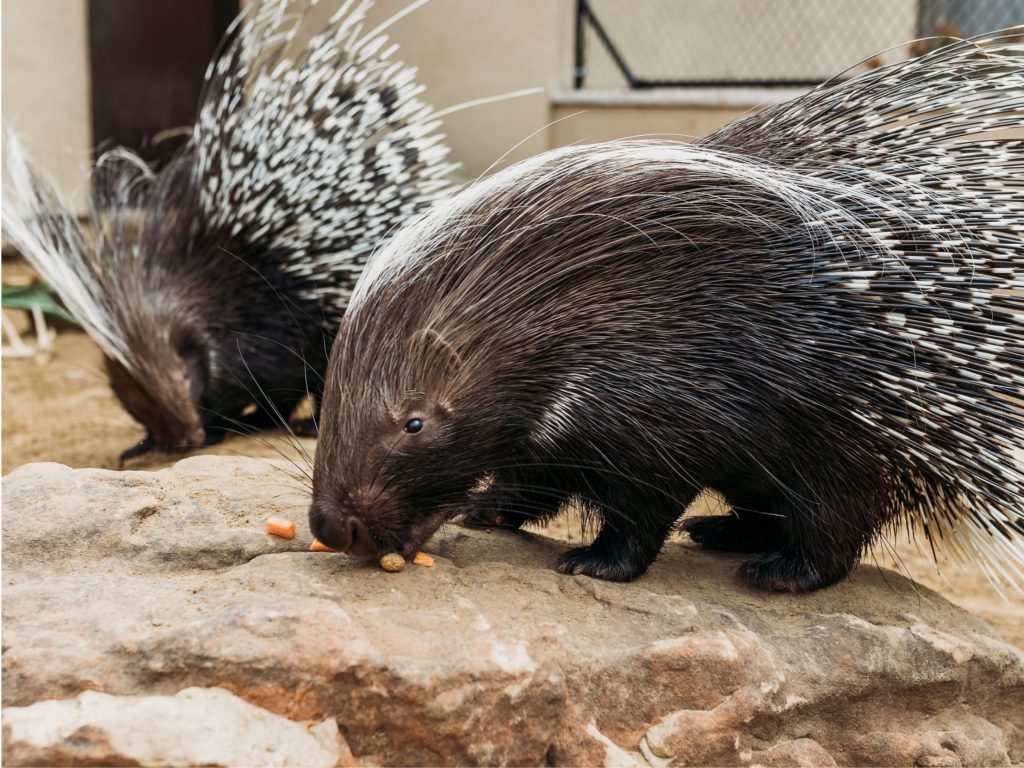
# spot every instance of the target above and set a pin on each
(198, 726)
(142, 584)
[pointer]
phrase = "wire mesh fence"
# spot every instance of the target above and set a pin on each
(664, 43)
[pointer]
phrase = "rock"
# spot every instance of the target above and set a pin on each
(198, 726)
(141, 584)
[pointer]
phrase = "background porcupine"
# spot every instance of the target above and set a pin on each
(816, 311)
(218, 281)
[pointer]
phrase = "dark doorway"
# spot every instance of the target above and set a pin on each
(148, 59)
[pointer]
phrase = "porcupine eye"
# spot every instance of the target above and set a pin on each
(412, 426)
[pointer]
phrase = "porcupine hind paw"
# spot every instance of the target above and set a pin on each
(729, 533)
(599, 564)
(783, 571)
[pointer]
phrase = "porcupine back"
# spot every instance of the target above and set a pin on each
(238, 257)
(825, 296)
(937, 289)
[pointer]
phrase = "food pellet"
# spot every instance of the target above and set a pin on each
(319, 546)
(392, 562)
(279, 526)
(422, 558)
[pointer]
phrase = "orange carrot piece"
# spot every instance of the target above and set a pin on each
(422, 558)
(279, 526)
(319, 546)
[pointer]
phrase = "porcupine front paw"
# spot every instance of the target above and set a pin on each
(489, 509)
(784, 571)
(476, 516)
(507, 505)
(590, 561)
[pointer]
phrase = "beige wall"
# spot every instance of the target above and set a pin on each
(463, 49)
(45, 73)
(470, 49)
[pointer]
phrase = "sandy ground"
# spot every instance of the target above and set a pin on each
(62, 410)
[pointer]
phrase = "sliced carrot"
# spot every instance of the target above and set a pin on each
(319, 546)
(279, 526)
(422, 558)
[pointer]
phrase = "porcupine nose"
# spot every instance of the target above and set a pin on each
(352, 537)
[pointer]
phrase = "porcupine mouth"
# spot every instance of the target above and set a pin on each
(422, 532)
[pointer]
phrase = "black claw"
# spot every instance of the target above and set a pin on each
(782, 572)
(586, 561)
(144, 446)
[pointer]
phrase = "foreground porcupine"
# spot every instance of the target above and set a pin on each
(218, 282)
(816, 311)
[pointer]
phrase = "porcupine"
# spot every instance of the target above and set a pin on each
(815, 311)
(217, 283)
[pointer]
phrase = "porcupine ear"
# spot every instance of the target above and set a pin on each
(436, 357)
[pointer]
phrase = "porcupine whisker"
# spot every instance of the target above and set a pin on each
(294, 439)
(285, 301)
(306, 367)
(301, 479)
(306, 477)
(315, 404)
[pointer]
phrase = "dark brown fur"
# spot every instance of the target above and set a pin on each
(766, 314)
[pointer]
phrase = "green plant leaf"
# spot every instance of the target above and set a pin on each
(35, 295)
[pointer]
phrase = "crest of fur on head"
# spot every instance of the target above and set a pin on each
(214, 285)
(816, 311)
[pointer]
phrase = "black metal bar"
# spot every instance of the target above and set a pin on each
(579, 64)
(610, 46)
(641, 84)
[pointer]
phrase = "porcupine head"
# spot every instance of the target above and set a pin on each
(398, 460)
(435, 386)
(156, 309)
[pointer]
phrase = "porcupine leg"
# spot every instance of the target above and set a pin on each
(625, 547)
(265, 416)
(511, 501)
(309, 427)
(820, 547)
(753, 525)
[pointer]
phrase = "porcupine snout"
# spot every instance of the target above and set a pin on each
(340, 531)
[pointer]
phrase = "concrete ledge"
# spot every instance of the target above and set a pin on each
(731, 98)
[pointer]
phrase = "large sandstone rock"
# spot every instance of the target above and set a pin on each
(143, 584)
(198, 726)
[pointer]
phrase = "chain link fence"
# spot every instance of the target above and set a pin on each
(670, 43)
